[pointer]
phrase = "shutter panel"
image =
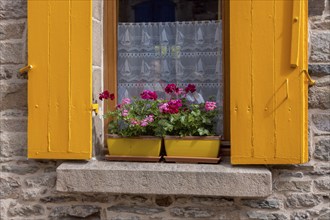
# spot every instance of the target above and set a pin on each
(59, 84)
(268, 84)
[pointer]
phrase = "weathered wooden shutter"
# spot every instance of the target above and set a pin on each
(268, 83)
(59, 83)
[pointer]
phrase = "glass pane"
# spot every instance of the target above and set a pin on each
(170, 41)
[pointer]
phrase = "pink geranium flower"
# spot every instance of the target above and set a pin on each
(210, 106)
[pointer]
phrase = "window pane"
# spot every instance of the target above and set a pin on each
(170, 41)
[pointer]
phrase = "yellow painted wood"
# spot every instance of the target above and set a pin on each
(296, 27)
(119, 146)
(192, 147)
(59, 85)
(269, 119)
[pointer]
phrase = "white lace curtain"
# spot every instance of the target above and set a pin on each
(151, 55)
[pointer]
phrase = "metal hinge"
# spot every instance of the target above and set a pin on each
(311, 81)
(25, 69)
(95, 108)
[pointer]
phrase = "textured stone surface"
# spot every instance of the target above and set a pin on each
(11, 30)
(303, 200)
(14, 53)
(97, 38)
(192, 212)
(320, 47)
(177, 179)
(322, 122)
(300, 216)
(323, 184)
(266, 216)
(317, 69)
(144, 210)
(12, 9)
(263, 204)
(13, 96)
(322, 149)
(293, 186)
(315, 7)
(75, 211)
(97, 9)
(18, 169)
(25, 210)
(13, 144)
(9, 188)
(320, 93)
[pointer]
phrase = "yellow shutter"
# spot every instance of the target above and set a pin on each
(268, 83)
(59, 83)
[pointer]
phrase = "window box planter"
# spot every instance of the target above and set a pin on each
(196, 148)
(144, 148)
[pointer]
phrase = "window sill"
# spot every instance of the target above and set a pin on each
(164, 179)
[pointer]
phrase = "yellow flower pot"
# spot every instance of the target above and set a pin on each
(134, 146)
(204, 146)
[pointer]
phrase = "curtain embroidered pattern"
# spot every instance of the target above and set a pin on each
(150, 55)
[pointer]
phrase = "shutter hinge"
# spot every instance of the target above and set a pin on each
(25, 69)
(311, 81)
(95, 108)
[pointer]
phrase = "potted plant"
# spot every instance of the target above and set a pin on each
(188, 124)
(132, 130)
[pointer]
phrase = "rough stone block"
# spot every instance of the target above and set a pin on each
(316, 7)
(192, 212)
(14, 125)
(97, 9)
(320, 46)
(323, 185)
(322, 122)
(293, 186)
(10, 188)
(19, 169)
(46, 180)
(300, 216)
(13, 144)
(319, 97)
(136, 209)
(12, 9)
(303, 200)
(13, 96)
(322, 148)
(318, 68)
(160, 178)
(10, 71)
(266, 215)
(22, 210)
(12, 53)
(97, 44)
(75, 211)
(10, 30)
(263, 204)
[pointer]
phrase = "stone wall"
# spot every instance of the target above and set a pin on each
(27, 187)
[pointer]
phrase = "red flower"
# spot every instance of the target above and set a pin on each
(106, 95)
(147, 94)
(171, 88)
(190, 88)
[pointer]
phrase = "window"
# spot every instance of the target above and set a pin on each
(167, 41)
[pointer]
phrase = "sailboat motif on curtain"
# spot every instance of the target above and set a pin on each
(145, 68)
(165, 69)
(179, 68)
(125, 70)
(179, 38)
(199, 68)
(199, 37)
(146, 38)
(163, 38)
(126, 40)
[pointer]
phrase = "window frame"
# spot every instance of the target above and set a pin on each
(111, 9)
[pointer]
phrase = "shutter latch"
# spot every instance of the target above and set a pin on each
(95, 108)
(311, 81)
(25, 69)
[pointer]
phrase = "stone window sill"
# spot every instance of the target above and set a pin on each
(164, 179)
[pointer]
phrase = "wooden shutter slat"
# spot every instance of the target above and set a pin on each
(59, 85)
(278, 92)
